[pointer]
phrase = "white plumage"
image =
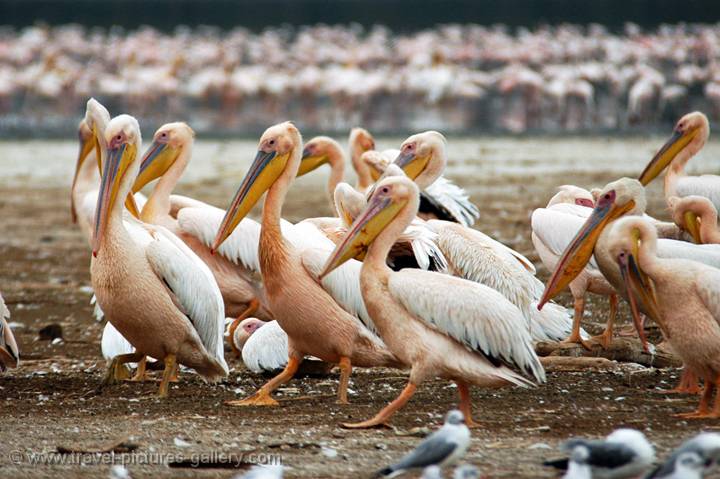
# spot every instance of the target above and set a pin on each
(455, 200)
(704, 185)
(266, 349)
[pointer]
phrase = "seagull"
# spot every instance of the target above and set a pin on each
(443, 447)
(624, 453)
(578, 467)
(432, 472)
(706, 445)
(466, 471)
(272, 471)
(686, 465)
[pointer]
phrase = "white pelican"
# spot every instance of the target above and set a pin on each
(315, 323)
(195, 223)
(151, 286)
(685, 293)
(319, 151)
(689, 136)
(696, 215)
(438, 325)
(263, 345)
(359, 142)
(9, 354)
(553, 228)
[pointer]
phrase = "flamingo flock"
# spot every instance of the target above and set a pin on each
(454, 77)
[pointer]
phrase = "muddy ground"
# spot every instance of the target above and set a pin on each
(53, 400)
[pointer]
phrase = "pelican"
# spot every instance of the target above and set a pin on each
(689, 136)
(315, 323)
(195, 222)
(686, 296)
(696, 215)
(263, 345)
(437, 325)
(9, 354)
(319, 151)
(552, 230)
(361, 141)
(151, 286)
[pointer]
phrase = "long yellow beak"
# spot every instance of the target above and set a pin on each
(641, 293)
(580, 250)
(265, 169)
(412, 164)
(692, 226)
(86, 146)
(116, 164)
(310, 162)
(155, 163)
(380, 211)
(677, 142)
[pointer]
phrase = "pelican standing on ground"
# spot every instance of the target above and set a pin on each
(689, 136)
(686, 294)
(315, 323)
(151, 286)
(438, 325)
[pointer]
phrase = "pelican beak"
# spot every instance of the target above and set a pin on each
(375, 172)
(412, 164)
(639, 289)
(116, 164)
(310, 162)
(156, 161)
(87, 145)
(677, 142)
(266, 168)
(580, 250)
(378, 213)
(692, 226)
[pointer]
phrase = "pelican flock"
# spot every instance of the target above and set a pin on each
(401, 276)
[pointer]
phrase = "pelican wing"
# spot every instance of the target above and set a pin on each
(9, 353)
(192, 287)
(266, 349)
(707, 285)
(453, 199)
(708, 254)
(556, 227)
(473, 314)
(113, 343)
(705, 185)
(423, 241)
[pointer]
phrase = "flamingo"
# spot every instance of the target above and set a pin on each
(552, 229)
(689, 136)
(9, 353)
(290, 257)
(151, 286)
(685, 294)
(437, 325)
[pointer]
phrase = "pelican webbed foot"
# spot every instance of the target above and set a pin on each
(689, 384)
(262, 396)
(382, 418)
(117, 371)
(141, 371)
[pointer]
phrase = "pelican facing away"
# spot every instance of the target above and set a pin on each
(696, 215)
(151, 286)
(438, 325)
(9, 354)
(314, 321)
(689, 136)
(686, 294)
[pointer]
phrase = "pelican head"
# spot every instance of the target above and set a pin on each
(688, 213)
(317, 152)
(87, 145)
(242, 331)
(349, 203)
(360, 141)
(422, 157)
(623, 196)
(169, 141)
(375, 162)
(626, 237)
(573, 195)
(689, 135)
(391, 196)
(279, 151)
(122, 137)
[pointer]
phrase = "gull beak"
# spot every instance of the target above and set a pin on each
(580, 250)
(380, 211)
(310, 162)
(87, 145)
(677, 142)
(266, 168)
(692, 226)
(158, 158)
(116, 164)
(412, 164)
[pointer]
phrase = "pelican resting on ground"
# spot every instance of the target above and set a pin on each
(686, 296)
(263, 345)
(553, 227)
(290, 257)
(151, 286)
(689, 136)
(9, 354)
(438, 325)
(696, 215)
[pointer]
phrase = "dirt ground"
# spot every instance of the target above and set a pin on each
(53, 400)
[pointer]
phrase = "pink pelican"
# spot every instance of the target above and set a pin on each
(686, 296)
(437, 325)
(361, 141)
(316, 324)
(9, 354)
(151, 286)
(696, 215)
(319, 151)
